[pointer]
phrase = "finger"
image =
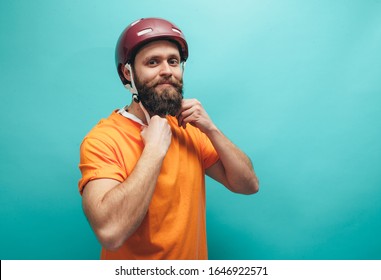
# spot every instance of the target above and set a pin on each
(188, 103)
(184, 106)
(188, 107)
(185, 114)
(180, 116)
(191, 119)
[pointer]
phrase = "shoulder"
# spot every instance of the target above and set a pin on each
(113, 127)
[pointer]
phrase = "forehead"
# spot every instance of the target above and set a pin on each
(158, 48)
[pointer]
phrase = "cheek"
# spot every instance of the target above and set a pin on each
(146, 75)
(178, 74)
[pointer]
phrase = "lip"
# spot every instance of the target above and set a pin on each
(165, 84)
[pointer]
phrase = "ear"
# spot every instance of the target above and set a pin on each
(126, 73)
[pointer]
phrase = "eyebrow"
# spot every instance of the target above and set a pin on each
(170, 56)
(148, 58)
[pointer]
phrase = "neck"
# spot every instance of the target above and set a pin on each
(135, 109)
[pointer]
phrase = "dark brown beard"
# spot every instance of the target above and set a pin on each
(166, 102)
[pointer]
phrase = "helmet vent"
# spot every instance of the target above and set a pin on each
(145, 31)
(135, 22)
(176, 30)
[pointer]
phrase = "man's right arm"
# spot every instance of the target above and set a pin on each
(115, 210)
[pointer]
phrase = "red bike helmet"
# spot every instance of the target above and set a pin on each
(142, 32)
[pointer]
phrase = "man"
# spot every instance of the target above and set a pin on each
(143, 168)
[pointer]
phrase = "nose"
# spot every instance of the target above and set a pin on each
(165, 69)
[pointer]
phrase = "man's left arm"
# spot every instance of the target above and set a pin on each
(234, 169)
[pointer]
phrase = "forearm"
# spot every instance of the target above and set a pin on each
(121, 210)
(234, 169)
(239, 170)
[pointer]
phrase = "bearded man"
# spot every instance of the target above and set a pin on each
(143, 168)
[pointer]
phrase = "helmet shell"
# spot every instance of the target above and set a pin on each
(142, 32)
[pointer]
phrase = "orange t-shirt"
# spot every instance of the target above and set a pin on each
(174, 226)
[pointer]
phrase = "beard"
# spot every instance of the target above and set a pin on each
(164, 102)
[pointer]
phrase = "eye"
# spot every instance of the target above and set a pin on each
(173, 62)
(152, 62)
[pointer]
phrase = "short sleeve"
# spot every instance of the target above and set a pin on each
(98, 160)
(209, 154)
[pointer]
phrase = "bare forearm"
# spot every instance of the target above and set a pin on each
(234, 169)
(238, 167)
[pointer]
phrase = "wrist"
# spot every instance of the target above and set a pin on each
(212, 131)
(154, 152)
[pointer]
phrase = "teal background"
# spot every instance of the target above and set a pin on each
(295, 84)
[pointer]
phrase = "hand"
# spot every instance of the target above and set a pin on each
(192, 112)
(157, 135)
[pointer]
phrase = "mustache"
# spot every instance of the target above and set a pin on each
(170, 81)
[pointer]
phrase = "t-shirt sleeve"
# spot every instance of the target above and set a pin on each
(209, 153)
(98, 160)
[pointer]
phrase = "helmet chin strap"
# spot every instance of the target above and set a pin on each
(135, 94)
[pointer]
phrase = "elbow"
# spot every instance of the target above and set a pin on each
(110, 245)
(254, 186)
(109, 239)
(251, 187)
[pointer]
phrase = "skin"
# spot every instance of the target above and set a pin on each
(116, 209)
